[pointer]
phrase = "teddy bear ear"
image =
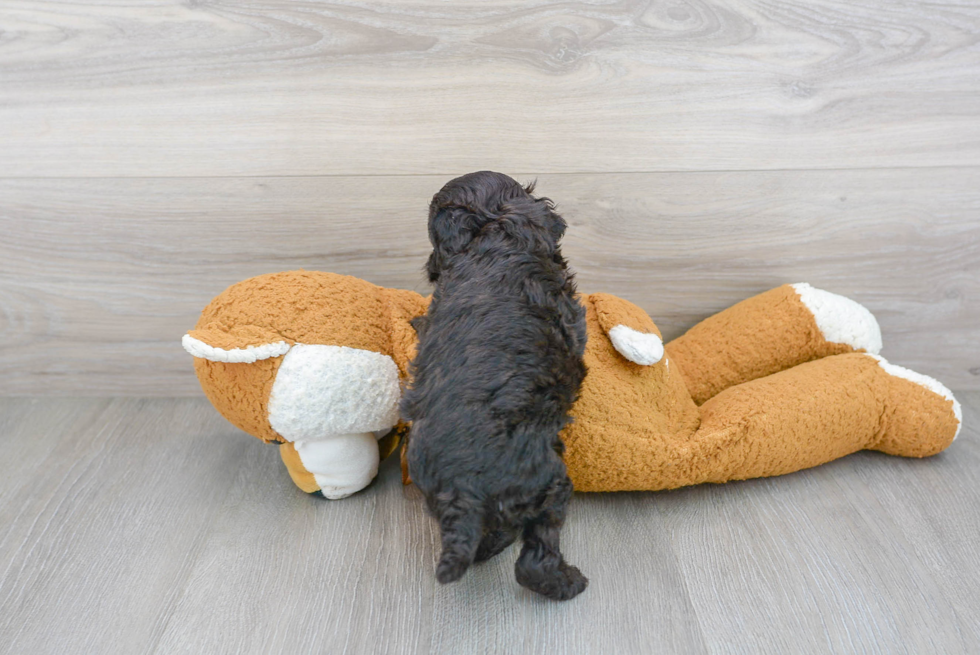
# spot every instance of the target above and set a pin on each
(629, 328)
(639, 347)
(242, 344)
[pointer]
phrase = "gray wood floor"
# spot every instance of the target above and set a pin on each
(138, 526)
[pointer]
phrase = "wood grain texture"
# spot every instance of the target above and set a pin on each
(152, 153)
(277, 87)
(150, 526)
(100, 278)
(102, 512)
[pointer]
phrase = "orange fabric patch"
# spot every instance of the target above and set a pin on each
(294, 465)
(759, 336)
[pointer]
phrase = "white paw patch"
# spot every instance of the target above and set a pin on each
(932, 384)
(321, 391)
(638, 347)
(840, 319)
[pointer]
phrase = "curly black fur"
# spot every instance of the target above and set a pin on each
(499, 365)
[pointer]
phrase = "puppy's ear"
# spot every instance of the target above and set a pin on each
(555, 223)
(451, 229)
(533, 223)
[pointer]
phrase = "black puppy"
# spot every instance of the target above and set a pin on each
(499, 365)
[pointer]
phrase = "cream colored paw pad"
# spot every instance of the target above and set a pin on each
(840, 319)
(932, 384)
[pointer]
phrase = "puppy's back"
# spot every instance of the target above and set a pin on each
(502, 348)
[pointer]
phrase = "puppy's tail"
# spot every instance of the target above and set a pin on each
(461, 525)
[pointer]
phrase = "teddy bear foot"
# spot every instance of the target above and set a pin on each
(840, 319)
(922, 416)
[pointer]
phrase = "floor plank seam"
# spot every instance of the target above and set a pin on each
(449, 174)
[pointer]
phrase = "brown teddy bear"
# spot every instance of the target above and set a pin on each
(782, 381)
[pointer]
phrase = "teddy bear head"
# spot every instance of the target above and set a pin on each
(302, 355)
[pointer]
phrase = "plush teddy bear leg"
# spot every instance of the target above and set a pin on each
(335, 467)
(768, 333)
(814, 413)
(922, 416)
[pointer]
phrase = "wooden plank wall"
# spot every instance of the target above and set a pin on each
(151, 153)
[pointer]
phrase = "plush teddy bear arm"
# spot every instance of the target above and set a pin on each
(631, 331)
(768, 333)
(302, 478)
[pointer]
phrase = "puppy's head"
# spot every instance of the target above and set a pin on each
(488, 203)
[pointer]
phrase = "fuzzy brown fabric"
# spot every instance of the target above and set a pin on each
(774, 396)
(719, 352)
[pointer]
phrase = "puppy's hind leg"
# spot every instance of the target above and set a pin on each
(461, 525)
(494, 543)
(541, 567)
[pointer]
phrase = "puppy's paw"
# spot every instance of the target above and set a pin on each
(571, 582)
(561, 583)
(451, 569)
